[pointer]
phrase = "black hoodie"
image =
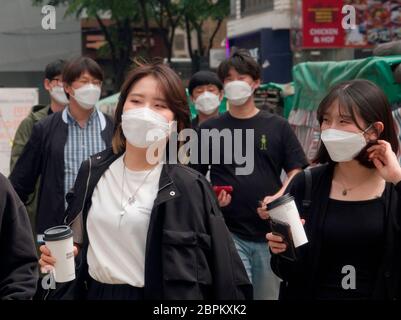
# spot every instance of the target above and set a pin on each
(18, 259)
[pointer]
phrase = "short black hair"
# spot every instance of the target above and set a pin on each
(242, 61)
(54, 69)
(76, 67)
(202, 78)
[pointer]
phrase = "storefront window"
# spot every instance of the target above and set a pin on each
(254, 6)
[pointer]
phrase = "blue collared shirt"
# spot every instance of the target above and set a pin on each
(81, 144)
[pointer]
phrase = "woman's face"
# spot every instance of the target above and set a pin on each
(338, 118)
(146, 92)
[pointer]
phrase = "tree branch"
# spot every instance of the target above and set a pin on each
(109, 40)
(198, 28)
(146, 25)
(160, 20)
(216, 29)
(189, 37)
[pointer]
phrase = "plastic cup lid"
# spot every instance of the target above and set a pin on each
(57, 233)
(280, 201)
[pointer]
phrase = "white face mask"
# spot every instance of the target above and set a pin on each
(238, 92)
(207, 103)
(58, 94)
(343, 145)
(142, 127)
(87, 96)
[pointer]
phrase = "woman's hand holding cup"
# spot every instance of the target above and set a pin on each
(47, 261)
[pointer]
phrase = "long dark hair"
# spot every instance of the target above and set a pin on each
(363, 98)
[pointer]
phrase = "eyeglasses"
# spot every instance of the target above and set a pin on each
(84, 82)
(59, 81)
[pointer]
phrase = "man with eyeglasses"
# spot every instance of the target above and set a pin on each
(61, 141)
(58, 100)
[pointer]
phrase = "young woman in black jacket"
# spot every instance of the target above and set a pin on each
(145, 228)
(353, 221)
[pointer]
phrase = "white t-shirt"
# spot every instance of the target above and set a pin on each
(116, 253)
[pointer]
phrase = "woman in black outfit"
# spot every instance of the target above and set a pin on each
(353, 221)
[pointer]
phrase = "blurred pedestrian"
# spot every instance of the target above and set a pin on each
(53, 83)
(61, 141)
(206, 92)
(18, 266)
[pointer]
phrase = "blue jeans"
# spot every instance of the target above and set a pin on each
(256, 259)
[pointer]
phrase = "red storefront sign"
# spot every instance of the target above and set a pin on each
(376, 21)
(322, 24)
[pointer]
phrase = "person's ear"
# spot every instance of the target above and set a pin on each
(378, 128)
(46, 84)
(68, 89)
(256, 84)
(221, 95)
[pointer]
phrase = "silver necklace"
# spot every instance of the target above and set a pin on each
(346, 190)
(131, 200)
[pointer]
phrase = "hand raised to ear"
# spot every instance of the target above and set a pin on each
(385, 161)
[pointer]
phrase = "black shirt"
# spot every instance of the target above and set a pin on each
(275, 148)
(195, 123)
(353, 235)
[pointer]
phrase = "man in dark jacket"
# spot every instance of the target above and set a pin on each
(58, 100)
(18, 267)
(61, 141)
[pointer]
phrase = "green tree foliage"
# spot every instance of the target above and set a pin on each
(124, 15)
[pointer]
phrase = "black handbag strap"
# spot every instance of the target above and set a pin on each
(307, 201)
